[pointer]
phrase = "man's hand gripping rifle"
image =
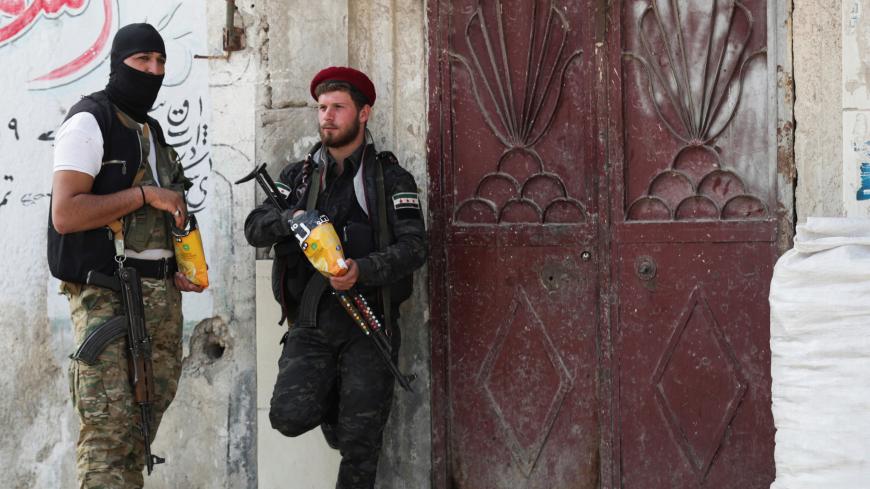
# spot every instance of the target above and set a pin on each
(126, 281)
(352, 301)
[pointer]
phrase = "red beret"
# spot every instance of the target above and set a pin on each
(355, 78)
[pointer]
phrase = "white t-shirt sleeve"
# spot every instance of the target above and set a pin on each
(78, 145)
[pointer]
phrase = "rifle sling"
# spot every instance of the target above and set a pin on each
(316, 284)
(314, 185)
(314, 289)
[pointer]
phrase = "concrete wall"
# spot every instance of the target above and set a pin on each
(818, 115)
(210, 431)
(386, 39)
(226, 113)
(306, 460)
(256, 108)
(49, 60)
(856, 105)
(832, 106)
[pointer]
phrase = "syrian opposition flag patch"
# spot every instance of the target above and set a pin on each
(407, 205)
(406, 200)
(284, 189)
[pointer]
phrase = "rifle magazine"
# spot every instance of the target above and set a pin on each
(99, 338)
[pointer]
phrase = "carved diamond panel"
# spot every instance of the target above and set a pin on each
(699, 385)
(525, 381)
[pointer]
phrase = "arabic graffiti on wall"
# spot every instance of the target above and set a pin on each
(46, 82)
(187, 130)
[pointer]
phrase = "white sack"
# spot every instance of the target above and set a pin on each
(820, 357)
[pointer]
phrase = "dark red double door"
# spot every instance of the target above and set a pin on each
(604, 194)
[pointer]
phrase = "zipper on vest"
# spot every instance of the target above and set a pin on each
(123, 164)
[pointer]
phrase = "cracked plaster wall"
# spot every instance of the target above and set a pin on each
(208, 435)
(817, 73)
(211, 430)
(856, 106)
(387, 40)
(260, 111)
(831, 42)
(254, 106)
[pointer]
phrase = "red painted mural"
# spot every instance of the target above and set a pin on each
(24, 16)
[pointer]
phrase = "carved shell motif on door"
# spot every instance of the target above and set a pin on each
(521, 189)
(695, 81)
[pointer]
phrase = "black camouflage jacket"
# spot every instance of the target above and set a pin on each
(389, 265)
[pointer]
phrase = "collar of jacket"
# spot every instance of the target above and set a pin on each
(364, 183)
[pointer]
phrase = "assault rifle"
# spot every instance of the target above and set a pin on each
(352, 301)
(126, 281)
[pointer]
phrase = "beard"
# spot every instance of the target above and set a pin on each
(340, 138)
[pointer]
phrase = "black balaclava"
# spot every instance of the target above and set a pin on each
(134, 91)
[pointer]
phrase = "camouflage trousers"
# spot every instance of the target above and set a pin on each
(110, 449)
(333, 376)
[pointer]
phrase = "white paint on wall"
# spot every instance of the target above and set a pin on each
(856, 107)
(255, 107)
(34, 106)
(306, 460)
(856, 152)
(52, 53)
(856, 56)
(387, 40)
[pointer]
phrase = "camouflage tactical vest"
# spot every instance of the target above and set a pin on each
(149, 228)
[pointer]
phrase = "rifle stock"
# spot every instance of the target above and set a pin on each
(267, 184)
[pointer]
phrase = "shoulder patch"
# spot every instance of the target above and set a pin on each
(406, 200)
(283, 189)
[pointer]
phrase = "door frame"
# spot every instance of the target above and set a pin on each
(608, 61)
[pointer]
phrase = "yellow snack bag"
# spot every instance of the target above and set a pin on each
(189, 253)
(319, 242)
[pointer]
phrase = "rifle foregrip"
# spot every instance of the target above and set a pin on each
(99, 338)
